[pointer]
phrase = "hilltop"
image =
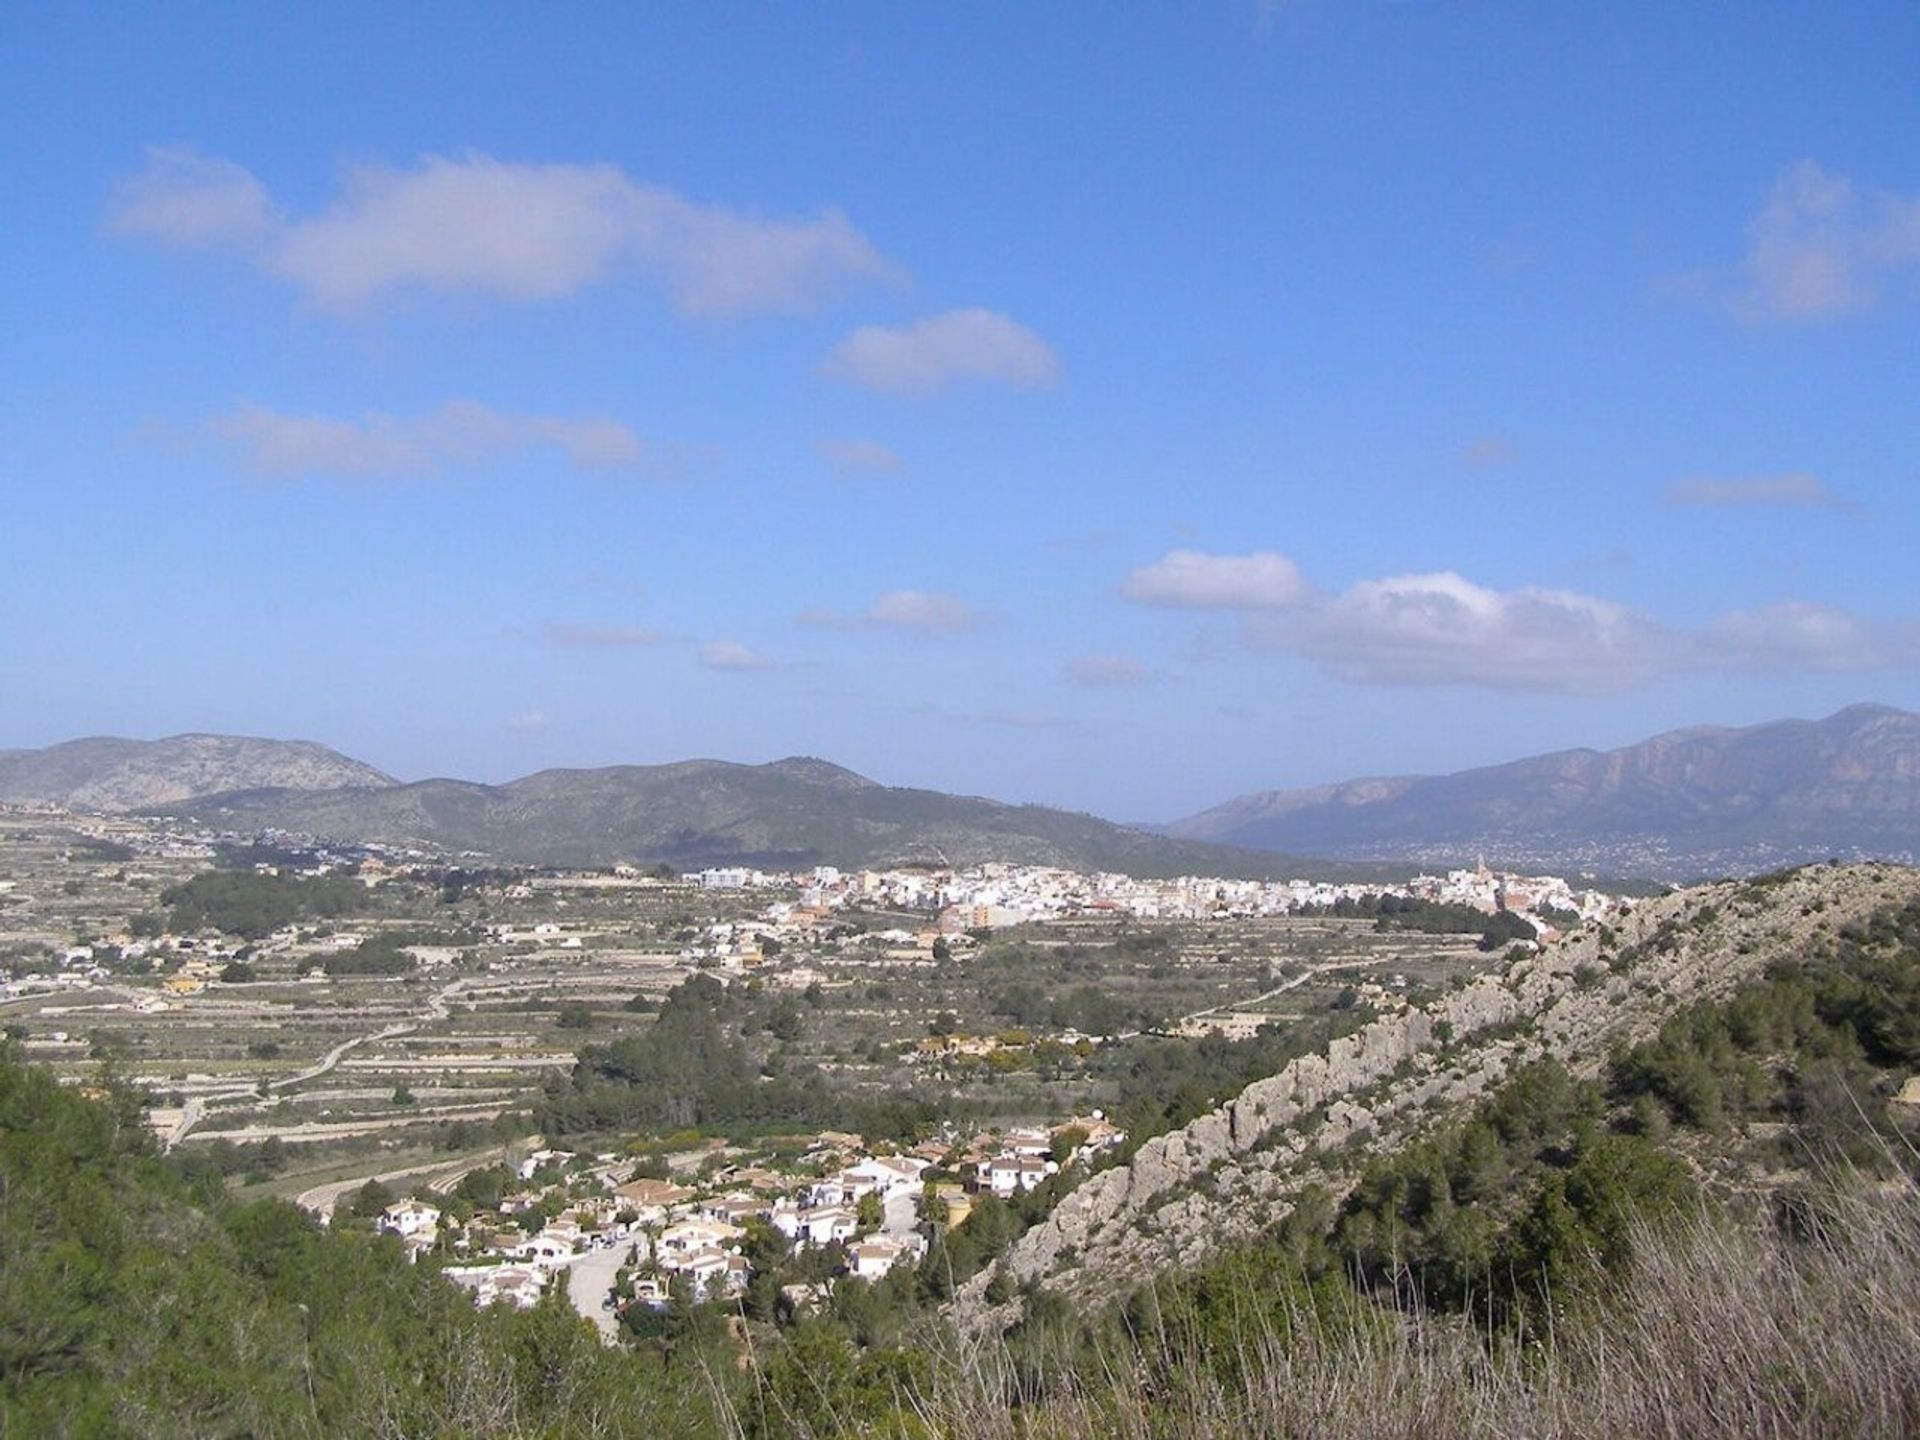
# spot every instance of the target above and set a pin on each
(106, 773)
(787, 814)
(1689, 803)
(1706, 800)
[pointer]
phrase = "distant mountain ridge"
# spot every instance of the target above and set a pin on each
(791, 813)
(1701, 800)
(107, 773)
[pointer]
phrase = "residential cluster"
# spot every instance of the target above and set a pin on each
(656, 1237)
(995, 895)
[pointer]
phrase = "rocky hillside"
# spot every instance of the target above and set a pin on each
(112, 774)
(788, 814)
(1704, 801)
(1236, 1171)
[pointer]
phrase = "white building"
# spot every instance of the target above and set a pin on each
(872, 1259)
(409, 1219)
(815, 1225)
(1006, 1175)
(690, 1236)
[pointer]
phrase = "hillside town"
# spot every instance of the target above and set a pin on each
(308, 1006)
(957, 903)
(631, 1234)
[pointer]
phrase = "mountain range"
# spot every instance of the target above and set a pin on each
(1696, 801)
(787, 814)
(790, 813)
(1706, 800)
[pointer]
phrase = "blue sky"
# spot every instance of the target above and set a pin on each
(1121, 410)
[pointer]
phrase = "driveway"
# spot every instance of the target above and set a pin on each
(590, 1281)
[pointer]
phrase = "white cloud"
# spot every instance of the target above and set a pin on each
(271, 442)
(194, 202)
(528, 722)
(942, 350)
(927, 611)
(733, 656)
(515, 232)
(1822, 246)
(860, 457)
(1442, 629)
(575, 635)
(1192, 579)
(1106, 672)
(923, 610)
(1793, 489)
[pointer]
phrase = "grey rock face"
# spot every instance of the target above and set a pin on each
(1236, 1171)
(110, 774)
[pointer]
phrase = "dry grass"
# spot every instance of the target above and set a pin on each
(1717, 1332)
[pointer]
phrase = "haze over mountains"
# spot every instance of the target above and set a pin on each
(1703, 800)
(1706, 799)
(103, 773)
(790, 813)
(793, 812)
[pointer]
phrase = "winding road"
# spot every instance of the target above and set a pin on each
(195, 1110)
(320, 1199)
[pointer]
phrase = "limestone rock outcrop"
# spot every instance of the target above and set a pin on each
(1236, 1170)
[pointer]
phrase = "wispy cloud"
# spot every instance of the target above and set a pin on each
(1001, 719)
(1792, 490)
(271, 442)
(1106, 672)
(1194, 580)
(1487, 452)
(515, 232)
(528, 722)
(578, 635)
(859, 457)
(1024, 720)
(927, 611)
(942, 350)
(1442, 629)
(731, 655)
(1824, 245)
(1816, 639)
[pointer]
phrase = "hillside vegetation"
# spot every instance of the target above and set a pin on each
(789, 814)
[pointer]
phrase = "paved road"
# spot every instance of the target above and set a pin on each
(446, 1174)
(590, 1281)
(902, 1213)
(195, 1110)
(347, 1129)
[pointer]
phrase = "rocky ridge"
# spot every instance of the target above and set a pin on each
(1704, 801)
(110, 774)
(1236, 1171)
